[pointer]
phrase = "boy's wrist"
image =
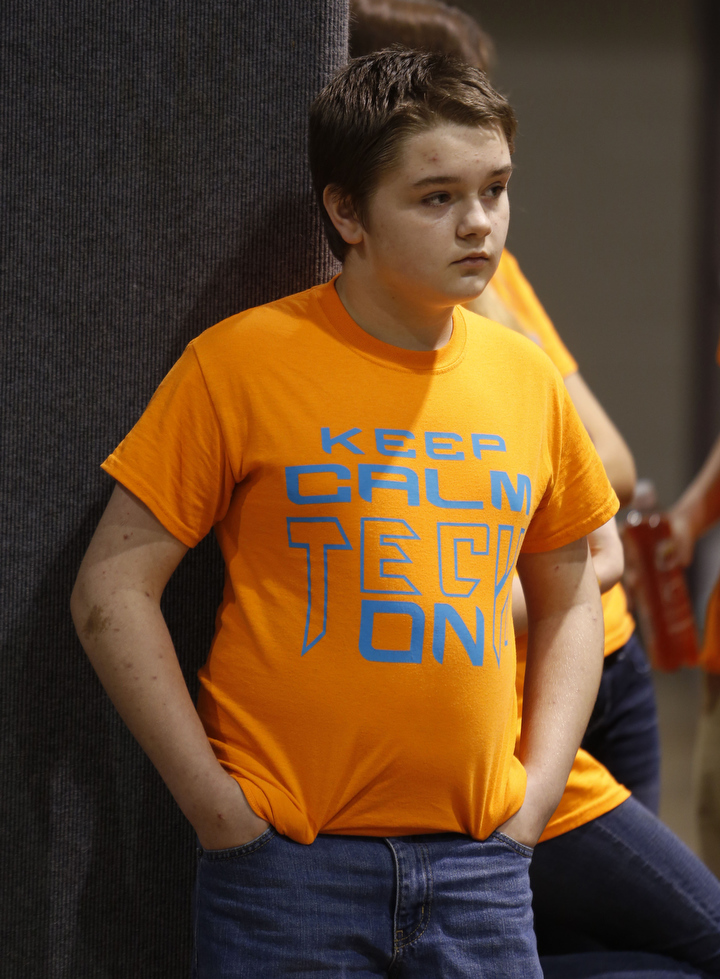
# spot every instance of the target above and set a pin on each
(527, 824)
(224, 819)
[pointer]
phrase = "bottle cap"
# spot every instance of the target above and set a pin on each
(645, 497)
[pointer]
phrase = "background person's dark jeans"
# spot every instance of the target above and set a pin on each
(615, 965)
(623, 730)
(625, 881)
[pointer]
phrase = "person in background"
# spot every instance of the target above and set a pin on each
(606, 873)
(697, 510)
(623, 730)
(619, 878)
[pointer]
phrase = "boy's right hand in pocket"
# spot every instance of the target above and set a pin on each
(229, 821)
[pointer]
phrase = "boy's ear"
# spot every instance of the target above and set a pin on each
(342, 215)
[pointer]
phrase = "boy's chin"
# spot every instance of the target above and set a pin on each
(471, 290)
(472, 286)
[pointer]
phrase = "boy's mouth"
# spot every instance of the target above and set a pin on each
(474, 258)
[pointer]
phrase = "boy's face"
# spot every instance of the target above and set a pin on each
(436, 224)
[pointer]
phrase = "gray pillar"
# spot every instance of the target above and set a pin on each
(154, 182)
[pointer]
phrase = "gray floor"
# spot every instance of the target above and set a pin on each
(678, 696)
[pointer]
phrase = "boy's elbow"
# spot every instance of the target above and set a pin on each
(623, 476)
(85, 608)
(78, 604)
(609, 566)
(613, 573)
(625, 490)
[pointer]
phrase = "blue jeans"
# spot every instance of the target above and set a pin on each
(625, 881)
(412, 907)
(623, 728)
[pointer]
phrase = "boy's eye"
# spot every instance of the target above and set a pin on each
(496, 190)
(435, 200)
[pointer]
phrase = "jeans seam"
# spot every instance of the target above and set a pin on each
(520, 848)
(419, 931)
(396, 862)
(421, 928)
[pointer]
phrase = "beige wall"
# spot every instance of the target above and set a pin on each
(604, 200)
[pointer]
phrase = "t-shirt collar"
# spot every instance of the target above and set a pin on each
(398, 358)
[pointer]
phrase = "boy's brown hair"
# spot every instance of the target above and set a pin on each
(361, 119)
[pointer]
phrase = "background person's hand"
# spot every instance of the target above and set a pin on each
(683, 536)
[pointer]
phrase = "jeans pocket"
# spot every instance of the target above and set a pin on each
(244, 849)
(524, 851)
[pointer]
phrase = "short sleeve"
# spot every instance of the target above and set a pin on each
(578, 497)
(175, 458)
(519, 296)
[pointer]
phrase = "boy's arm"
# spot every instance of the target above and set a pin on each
(608, 560)
(698, 508)
(116, 610)
(609, 443)
(564, 665)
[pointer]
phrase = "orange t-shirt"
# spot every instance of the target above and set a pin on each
(370, 503)
(591, 790)
(518, 295)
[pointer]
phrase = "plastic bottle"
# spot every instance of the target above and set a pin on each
(656, 584)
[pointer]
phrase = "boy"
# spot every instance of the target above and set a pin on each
(372, 468)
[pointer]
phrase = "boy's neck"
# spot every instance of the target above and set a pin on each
(393, 319)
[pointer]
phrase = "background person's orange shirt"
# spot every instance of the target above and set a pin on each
(370, 503)
(591, 790)
(518, 295)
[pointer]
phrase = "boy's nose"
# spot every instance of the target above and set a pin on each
(475, 221)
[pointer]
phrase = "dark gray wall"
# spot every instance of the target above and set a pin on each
(154, 181)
